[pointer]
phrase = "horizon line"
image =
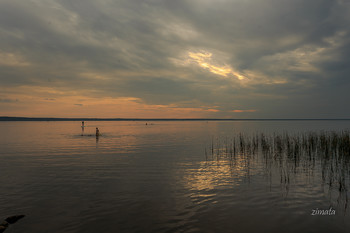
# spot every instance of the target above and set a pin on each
(11, 118)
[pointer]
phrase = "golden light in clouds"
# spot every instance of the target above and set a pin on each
(12, 59)
(240, 110)
(204, 60)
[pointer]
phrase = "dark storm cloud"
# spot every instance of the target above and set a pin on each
(292, 53)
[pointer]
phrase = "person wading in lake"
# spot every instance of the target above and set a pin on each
(82, 128)
(97, 132)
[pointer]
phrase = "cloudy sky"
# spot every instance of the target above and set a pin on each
(175, 58)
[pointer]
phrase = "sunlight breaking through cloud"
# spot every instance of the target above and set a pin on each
(204, 60)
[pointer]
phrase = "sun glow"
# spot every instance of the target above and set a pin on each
(51, 102)
(240, 110)
(204, 60)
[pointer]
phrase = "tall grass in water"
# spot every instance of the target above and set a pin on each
(292, 154)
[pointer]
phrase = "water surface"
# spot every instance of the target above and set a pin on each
(160, 177)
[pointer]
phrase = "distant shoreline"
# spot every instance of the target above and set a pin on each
(5, 118)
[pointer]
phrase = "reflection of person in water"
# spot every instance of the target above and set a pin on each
(97, 132)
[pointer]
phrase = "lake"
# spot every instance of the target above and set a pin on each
(175, 176)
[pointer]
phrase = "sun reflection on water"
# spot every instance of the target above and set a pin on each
(214, 174)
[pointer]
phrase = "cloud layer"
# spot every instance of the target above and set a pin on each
(164, 58)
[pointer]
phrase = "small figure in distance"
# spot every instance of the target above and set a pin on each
(82, 128)
(97, 132)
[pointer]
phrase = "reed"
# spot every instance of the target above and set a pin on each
(307, 152)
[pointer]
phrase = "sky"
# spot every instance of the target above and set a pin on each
(175, 58)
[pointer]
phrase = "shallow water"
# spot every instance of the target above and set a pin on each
(159, 177)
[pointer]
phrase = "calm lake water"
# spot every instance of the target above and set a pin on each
(166, 176)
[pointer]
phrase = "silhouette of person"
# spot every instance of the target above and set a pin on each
(97, 132)
(82, 128)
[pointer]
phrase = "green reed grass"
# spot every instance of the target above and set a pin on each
(292, 154)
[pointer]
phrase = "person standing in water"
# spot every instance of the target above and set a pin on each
(97, 132)
(82, 128)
